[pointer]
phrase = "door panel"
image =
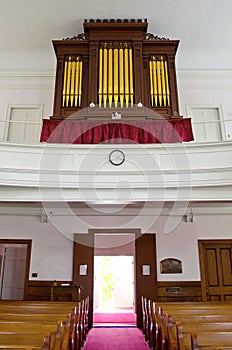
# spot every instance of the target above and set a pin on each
(13, 275)
(216, 270)
(84, 255)
(145, 255)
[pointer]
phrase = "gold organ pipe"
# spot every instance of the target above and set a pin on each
(163, 82)
(121, 76)
(105, 76)
(126, 65)
(151, 84)
(167, 84)
(100, 78)
(64, 83)
(155, 81)
(77, 81)
(110, 78)
(116, 77)
(80, 82)
(68, 81)
(72, 82)
(131, 78)
(159, 83)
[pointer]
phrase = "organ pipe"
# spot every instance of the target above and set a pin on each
(151, 83)
(72, 82)
(121, 77)
(65, 81)
(105, 63)
(155, 82)
(80, 83)
(77, 81)
(159, 82)
(100, 78)
(167, 83)
(131, 78)
(163, 82)
(115, 75)
(68, 81)
(126, 72)
(110, 78)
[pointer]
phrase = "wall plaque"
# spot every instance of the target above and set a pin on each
(171, 265)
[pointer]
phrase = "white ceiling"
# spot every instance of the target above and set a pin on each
(204, 28)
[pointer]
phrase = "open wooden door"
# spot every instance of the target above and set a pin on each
(83, 260)
(146, 272)
(216, 270)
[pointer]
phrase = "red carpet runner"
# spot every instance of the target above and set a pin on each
(116, 317)
(115, 339)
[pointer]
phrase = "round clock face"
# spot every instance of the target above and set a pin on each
(117, 157)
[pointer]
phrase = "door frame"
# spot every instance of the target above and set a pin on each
(201, 248)
(137, 267)
(28, 243)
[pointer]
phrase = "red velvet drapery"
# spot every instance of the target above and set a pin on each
(94, 132)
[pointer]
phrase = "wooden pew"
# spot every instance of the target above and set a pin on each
(211, 340)
(22, 341)
(210, 336)
(196, 318)
(24, 322)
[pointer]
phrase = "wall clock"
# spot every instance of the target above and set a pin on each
(116, 157)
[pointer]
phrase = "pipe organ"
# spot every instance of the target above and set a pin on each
(115, 64)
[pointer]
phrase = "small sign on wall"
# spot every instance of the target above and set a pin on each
(146, 270)
(171, 265)
(83, 270)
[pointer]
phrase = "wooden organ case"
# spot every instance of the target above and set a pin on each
(115, 64)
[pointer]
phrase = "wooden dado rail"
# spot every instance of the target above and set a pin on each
(167, 291)
(187, 326)
(43, 325)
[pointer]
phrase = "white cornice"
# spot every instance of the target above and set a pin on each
(204, 74)
(27, 74)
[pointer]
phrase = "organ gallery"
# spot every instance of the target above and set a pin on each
(116, 70)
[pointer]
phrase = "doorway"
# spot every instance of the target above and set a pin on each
(113, 283)
(14, 268)
(114, 270)
(144, 267)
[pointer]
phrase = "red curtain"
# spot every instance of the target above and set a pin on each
(93, 132)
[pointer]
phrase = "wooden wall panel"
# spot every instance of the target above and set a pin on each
(41, 290)
(189, 291)
(179, 291)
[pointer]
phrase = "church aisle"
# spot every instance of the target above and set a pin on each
(115, 339)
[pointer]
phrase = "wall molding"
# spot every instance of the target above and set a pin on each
(27, 74)
(182, 73)
(204, 73)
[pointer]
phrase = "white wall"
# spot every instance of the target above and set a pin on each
(207, 88)
(51, 255)
(52, 247)
(25, 88)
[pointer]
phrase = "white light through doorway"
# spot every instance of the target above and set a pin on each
(113, 282)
